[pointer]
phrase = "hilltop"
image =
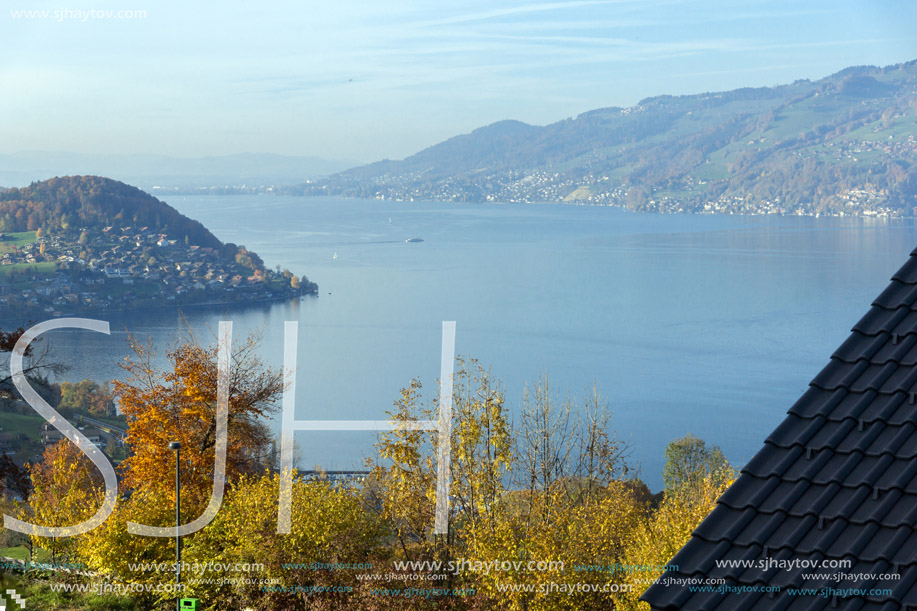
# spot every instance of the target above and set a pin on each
(86, 243)
(846, 143)
(65, 205)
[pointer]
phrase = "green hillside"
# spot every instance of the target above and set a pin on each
(846, 143)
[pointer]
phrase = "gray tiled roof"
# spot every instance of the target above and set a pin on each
(836, 480)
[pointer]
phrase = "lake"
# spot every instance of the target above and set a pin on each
(711, 325)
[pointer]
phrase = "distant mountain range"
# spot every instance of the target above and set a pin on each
(168, 173)
(844, 144)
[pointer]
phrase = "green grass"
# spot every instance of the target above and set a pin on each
(19, 240)
(26, 424)
(38, 595)
(900, 128)
(45, 267)
(579, 193)
(711, 171)
(21, 553)
(621, 172)
(30, 425)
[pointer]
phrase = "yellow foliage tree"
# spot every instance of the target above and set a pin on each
(558, 533)
(403, 479)
(656, 540)
(573, 505)
(330, 524)
(116, 555)
(66, 490)
(179, 404)
(481, 449)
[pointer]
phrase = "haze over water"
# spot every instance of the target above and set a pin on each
(712, 325)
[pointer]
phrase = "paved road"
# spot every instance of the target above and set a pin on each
(108, 428)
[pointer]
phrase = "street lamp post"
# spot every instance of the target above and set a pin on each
(174, 445)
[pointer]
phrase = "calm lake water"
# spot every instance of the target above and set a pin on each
(712, 325)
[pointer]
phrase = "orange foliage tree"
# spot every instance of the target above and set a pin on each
(179, 404)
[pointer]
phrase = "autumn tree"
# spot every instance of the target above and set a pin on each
(403, 480)
(565, 443)
(688, 459)
(482, 440)
(405, 470)
(330, 524)
(574, 502)
(89, 396)
(179, 404)
(66, 489)
(655, 539)
(109, 550)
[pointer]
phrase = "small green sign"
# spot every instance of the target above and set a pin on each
(189, 604)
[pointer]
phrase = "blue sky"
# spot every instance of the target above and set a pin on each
(365, 80)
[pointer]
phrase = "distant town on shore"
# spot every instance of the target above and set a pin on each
(89, 244)
(843, 145)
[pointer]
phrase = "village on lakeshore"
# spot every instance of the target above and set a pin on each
(129, 267)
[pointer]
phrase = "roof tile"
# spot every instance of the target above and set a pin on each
(817, 401)
(836, 480)
(897, 294)
(879, 320)
(908, 272)
(773, 459)
(903, 352)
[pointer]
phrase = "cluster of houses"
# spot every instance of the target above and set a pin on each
(97, 437)
(22, 448)
(118, 268)
(686, 195)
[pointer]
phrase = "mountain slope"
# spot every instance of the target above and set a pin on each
(842, 143)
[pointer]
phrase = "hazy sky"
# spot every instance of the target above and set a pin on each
(370, 79)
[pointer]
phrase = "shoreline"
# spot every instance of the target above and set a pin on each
(858, 215)
(207, 304)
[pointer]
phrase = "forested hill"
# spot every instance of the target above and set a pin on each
(75, 203)
(90, 244)
(846, 143)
